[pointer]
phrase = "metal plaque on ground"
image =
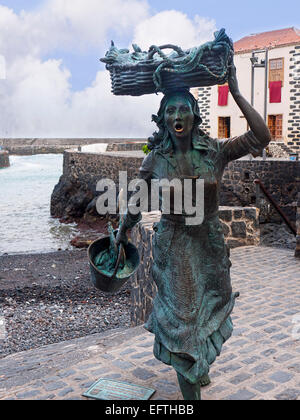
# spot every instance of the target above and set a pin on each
(109, 390)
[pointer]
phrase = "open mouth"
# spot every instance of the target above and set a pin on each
(178, 128)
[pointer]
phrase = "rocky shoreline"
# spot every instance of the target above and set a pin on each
(49, 298)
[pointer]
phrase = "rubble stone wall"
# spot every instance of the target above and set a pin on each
(125, 147)
(294, 115)
(280, 177)
(25, 147)
(82, 171)
(76, 189)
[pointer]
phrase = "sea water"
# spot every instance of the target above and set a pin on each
(25, 192)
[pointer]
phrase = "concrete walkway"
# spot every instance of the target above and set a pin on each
(260, 361)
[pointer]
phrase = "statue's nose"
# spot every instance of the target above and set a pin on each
(178, 116)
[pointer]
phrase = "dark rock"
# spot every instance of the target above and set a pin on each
(239, 229)
(4, 159)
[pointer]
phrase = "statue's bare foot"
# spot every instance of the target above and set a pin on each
(205, 381)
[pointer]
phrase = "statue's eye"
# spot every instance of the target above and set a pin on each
(170, 110)
(185, 109)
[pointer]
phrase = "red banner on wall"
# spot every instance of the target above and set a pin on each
(223, 95)
(275, 92)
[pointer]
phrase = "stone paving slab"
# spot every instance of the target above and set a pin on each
(260, 361)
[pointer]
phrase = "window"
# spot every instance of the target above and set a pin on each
(276, 70)
(275, 126)
(224, 127)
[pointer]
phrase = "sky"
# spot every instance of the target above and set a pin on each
(54, 84)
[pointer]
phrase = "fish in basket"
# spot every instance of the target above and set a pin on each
(141, 73)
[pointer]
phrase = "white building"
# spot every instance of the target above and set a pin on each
(283, 89)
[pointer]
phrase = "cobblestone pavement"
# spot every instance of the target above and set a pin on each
(260, 361)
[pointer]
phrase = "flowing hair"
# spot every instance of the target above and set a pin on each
(162, 139)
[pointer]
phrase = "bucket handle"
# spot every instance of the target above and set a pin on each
(121, 254)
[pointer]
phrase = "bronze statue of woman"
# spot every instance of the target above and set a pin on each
(191, 268)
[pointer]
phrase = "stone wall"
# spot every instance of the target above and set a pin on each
(294, 115)
(45, 146)
(241, 228)
(280, 177)
(240, 225)
(4, 159)
(204, 101)
(76, 190)
(125, 147)
(297, 253)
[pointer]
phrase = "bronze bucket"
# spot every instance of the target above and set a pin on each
(103, 282)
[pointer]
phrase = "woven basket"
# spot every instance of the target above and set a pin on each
(143, 73)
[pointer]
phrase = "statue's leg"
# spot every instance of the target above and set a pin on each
(189, 392)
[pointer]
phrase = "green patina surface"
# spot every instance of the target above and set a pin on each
(143, 72)
(106, 260)
(191, 266)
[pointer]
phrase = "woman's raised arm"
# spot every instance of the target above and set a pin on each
(255, 140)
(255, 121)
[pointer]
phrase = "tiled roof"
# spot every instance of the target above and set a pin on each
(270, 39)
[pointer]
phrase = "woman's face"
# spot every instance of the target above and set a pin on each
(179, 117)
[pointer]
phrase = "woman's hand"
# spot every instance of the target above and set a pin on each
(232, 79)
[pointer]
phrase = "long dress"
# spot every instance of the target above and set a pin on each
(191, 266)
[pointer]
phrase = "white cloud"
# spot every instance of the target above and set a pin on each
(89, 20)
(37, 96)
(2, 68)
(70, 24)
(40, 103)
(37, 99)
(104, 115)
(173, 27)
